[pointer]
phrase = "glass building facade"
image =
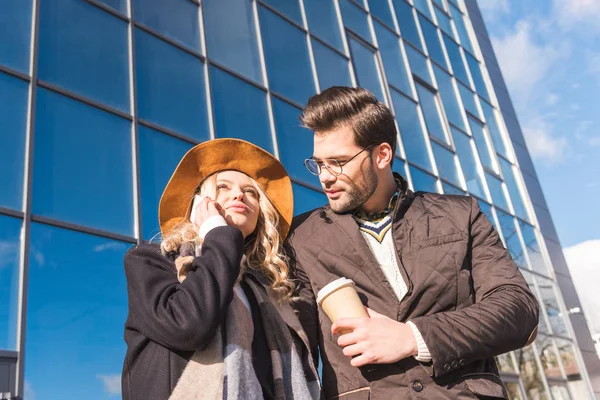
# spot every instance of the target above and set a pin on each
(99, 99)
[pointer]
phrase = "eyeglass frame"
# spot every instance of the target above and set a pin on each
(341, 164)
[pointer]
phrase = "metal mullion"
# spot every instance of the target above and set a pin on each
(307, 185)
(27, 189)
(12, 213)
(108, 9)
(167, 131)
(82, 228)
(168, 40)
(239, 76)
(207, 82)
(311, 56)
(330, 47)
(14, 73)
(345, 43)
(280, 14)
(286, 99)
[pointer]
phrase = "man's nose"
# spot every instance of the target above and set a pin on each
(326, 177)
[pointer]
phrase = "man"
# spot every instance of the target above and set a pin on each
(443, 294)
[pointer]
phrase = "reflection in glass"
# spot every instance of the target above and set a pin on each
(460, 27)
(477, 76)
(418, 64)
(332, 68)
(366, 68)
(240, 110)
(543, 326)
(450, 189)
(469, 163)
(10, 247)
(448, 94)
(231, 36)
(497, 191)
(559, 392)
(408, 25)
(289, 8)
(510, 178)
(550, 300)
(487, 210)
(159, 155)
(15, 34)
(399, 166)
(533, 248)
(170, 87)
(286, 57)
(295, 142)
(469, 100)
(176, 19)
(423, 6)
(505, 363)
(444, 21)
(446, 164)
(494, 129)
(577, 385)
(82, 171)
(513, 390)
(381, 10)
(323, 21)
(432, 40)
(530, 374)
(355, 19)
(13, 122)
(306, 199)
(422, 181)
(458, 66)
(548, 356)
(411, 130)
(432, 113)
(393, 61)
(84, 49)
(483, 146)
(511, 238)
(119, 5)
(75, 324)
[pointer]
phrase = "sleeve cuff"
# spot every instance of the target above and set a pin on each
(210, 224)
(423, 355)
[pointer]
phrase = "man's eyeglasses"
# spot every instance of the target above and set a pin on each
(332, 165)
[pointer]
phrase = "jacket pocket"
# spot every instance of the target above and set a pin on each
(439, 240)
(486, 384)
(356, 394)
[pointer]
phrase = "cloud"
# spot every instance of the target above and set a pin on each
(594, 141)
(577, 14)
(9, 254)
(584, 264)
(541, 143)
(29, 392)
(112, 384)
(109, 246)
(552, 99)
(493, 7)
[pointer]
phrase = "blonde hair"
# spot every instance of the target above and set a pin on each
(263, 248)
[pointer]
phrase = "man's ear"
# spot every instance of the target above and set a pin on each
(384, 156)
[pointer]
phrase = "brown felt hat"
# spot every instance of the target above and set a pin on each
(217, 155)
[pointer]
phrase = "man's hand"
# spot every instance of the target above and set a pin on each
(375, 340)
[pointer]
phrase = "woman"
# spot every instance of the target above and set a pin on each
(207, 306)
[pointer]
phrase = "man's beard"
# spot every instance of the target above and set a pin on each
(358, 194)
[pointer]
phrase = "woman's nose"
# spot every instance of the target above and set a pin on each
(238, 195)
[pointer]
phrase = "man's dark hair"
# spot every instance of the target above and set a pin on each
(370, 120)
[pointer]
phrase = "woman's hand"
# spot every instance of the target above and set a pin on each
(206, 209)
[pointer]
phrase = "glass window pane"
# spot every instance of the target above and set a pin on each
(381, 10)
(170, 87)
(15, 34)
(10, 247)
(444, 21)
(286, 56)
(119, 5)
(175, 19)
(434, 48)
(393, 61)
(468, 162)
(461, 27)
(82, 171)
(458, 66)
(448, 94)
(159, 155)
(231, 36)
(505, 363)
(411, 130)
(533, 249)
(408, 25)
(306, 199)
(513, 189)
(423, 6)
(530, 374)
(446, 163)
(482, 144)
(240, 110)
(323, 21)
(399, 166)
(497, 191)
(511, 238)
(469, 100)
(431, 111)
(450, 189)
(84, 49)
(475, 69)
(543, 326)
(332, 68)
(289, 8)
(295, 142)
(366, 68)
(422, 181)
(75, 323)
(487, 210)
(559, 391)
(513, 390)
(13, 120)
(355, 19)
(418, 64)
(548, 357)
(494, 129)
(548, 293)
(577, 385)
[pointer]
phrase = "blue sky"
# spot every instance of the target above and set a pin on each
(549, 53)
